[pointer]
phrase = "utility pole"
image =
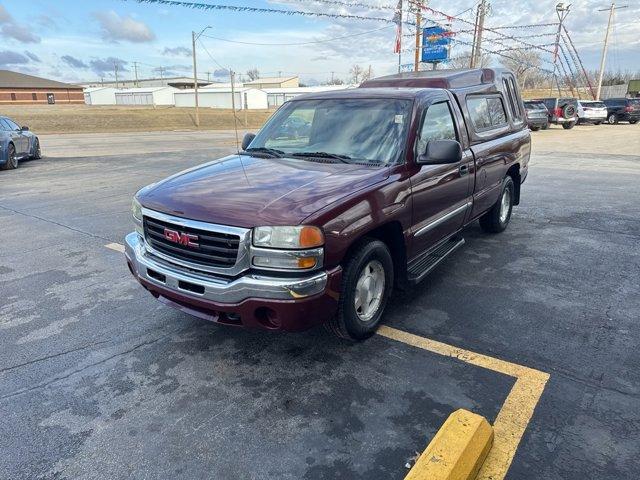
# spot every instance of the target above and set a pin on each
(477, 54)
(611, 9)
(194, 37)
(369, 74)
(416, 59)
(135, 69)
(472, 57)
(332, 78)
(115, 71)
(208, 77)
(161, 70)
(562, 12)
(233, 104)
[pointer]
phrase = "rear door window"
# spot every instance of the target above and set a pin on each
(486, 112)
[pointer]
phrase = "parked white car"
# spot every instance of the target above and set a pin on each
(591, 111)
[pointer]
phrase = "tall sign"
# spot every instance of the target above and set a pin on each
(435, 44)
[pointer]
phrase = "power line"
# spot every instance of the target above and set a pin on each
(298, 43)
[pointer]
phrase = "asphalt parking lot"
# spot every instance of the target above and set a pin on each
(99, 380)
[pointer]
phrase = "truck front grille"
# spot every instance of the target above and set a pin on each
(201, 247)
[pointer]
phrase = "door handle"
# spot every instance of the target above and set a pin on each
(463, 169)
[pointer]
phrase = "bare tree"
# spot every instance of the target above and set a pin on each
(521, 62)
(367, 74)
(464, 59)
(356, 73)
(253, 74)
(335, 81)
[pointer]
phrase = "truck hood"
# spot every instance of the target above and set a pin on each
(245, 191)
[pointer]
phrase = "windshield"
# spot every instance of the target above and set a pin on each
(593, 104)
(357, 130)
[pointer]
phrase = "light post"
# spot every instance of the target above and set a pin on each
(195, 36)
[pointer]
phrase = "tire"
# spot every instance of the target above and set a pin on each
(568, 125)
(36, 153)
(369, 261)
(534, 129)
(545, 126)
(633, 122)
(496, 219)
(12, 160)
(612, 119)
(568, 110)
(597, 123)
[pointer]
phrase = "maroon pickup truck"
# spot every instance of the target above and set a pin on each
(339, 198)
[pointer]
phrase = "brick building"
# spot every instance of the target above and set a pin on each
(20, 89)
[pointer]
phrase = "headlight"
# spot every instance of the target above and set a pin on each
(288, 237)
(136, 210)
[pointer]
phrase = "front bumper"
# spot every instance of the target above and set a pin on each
(252, 300)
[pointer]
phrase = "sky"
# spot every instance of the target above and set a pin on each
(79, 41)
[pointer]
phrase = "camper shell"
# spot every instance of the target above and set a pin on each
(463, 85)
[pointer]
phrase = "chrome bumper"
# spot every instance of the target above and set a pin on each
(218, 289)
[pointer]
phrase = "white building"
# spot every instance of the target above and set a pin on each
(161, 96)
(249, 98)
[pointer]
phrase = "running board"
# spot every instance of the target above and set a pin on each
(420, 268)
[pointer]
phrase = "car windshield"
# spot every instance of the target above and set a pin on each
(345, 130)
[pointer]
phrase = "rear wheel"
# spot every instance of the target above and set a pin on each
(597, 123)
(612, 119)
(568, 125)
(12, 160)
(633, 122)
(534, 129)
(545, 126)
(497, 219)
(367, 281)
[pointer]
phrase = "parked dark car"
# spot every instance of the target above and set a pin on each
(320, 228)
(562, 111)
(537, 115)
(622, 110)
(16, 143)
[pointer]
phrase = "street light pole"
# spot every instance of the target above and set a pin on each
(194, 37)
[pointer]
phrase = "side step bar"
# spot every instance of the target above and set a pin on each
(422, 266)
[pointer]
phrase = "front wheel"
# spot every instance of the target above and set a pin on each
(568, 125)
(36, 153)
(367, 281)
(12, 160)
(497, 219)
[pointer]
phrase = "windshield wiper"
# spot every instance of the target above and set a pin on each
(269, 151)
(334, 156)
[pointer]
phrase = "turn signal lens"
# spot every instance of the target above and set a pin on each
(306, 262)
(311, 237)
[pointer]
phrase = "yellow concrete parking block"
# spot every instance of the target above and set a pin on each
(457, 451)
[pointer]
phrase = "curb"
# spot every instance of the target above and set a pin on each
(457, 451)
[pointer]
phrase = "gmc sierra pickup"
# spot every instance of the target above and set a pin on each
(339, 198)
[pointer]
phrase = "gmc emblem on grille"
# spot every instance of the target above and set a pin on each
(181, 238)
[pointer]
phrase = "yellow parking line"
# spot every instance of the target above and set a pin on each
(118, 247)
(517, 410)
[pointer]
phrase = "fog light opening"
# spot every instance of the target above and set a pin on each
(267, 317)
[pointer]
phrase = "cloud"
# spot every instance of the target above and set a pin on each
(10, 29)
(46, 21)
(102, 66)
(115, 28)
(9, 58)
(177, 51)
(73, 62)
(221, 72)
(32, 56)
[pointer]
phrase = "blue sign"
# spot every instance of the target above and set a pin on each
(435, 44)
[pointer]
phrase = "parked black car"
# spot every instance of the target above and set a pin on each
(622, 110)
(562, 111)
(537, 115)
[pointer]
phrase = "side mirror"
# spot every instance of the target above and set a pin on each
(441, 152)
(24, 128)
(246, 141)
